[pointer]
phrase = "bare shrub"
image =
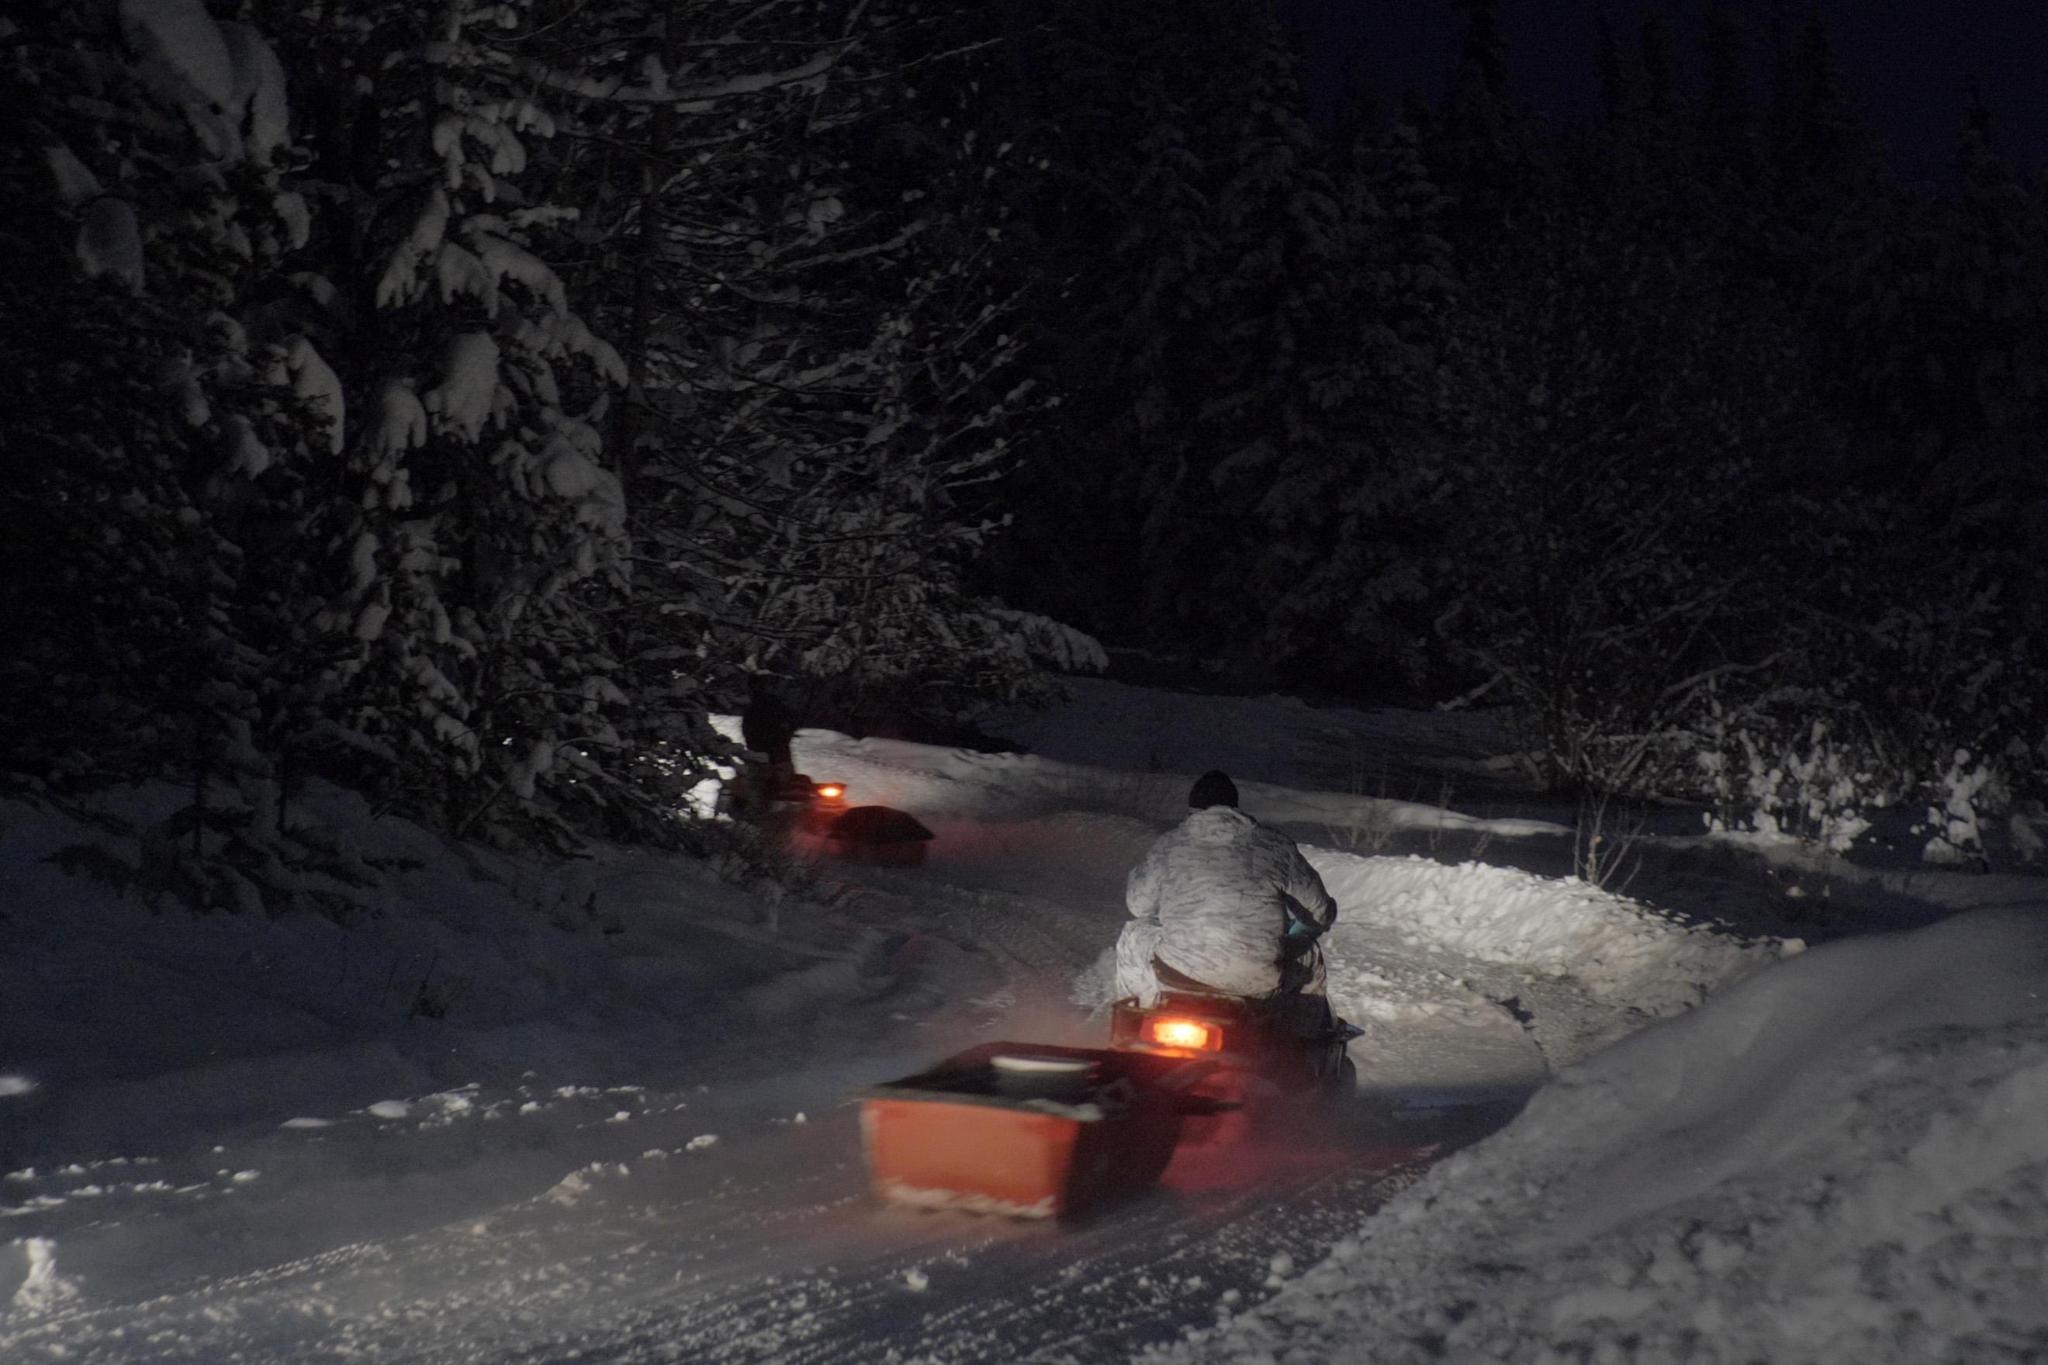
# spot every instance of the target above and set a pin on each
(1606, 843)
(1437, 828)
(1372, 826)
(1368, 832)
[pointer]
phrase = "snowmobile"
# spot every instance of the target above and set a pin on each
(1038, 1131)
(1273, 1046)
(789, 801)
(770, 793)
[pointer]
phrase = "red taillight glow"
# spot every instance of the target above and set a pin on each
(1187, 1035)
(831, 791)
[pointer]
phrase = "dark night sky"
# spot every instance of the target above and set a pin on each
(1905, 61)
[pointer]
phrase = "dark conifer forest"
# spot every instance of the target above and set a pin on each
(457, 400)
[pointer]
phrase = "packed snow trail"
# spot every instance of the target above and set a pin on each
(762, 1245)
(781, 1258)
(598, 1111)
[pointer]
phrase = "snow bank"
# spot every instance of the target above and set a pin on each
(1837, 1159)
(1618, 951)
(128, 1023)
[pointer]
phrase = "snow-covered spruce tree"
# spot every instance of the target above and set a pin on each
(1328, 396)
(1168, 253)
(1140, 99)
(820, 352)
(1634, 418)
(485, 542)
(1923, 318)
(171, 436)
(1610, 562)
(1827, 214)
(1480, 147)
(1244, 372)
(1269, 368)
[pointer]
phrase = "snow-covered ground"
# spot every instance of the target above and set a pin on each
(597, 1111)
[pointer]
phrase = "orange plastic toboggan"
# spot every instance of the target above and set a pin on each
(952, 1138)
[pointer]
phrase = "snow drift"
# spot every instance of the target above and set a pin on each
(1837, 1159)
(1616, 950)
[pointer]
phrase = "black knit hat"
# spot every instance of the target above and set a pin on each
(1212, 788)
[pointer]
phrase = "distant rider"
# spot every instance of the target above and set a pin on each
(1225, 903)
(768, 725)
(767, 772)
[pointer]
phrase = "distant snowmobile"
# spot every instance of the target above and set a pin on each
(770, 793)
(790, 800)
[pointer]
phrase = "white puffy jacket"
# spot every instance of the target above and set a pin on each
(1211, 900)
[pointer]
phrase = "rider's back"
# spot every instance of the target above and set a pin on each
(1219, 886)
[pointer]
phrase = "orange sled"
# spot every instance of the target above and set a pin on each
(1035, 1130)
(1030, 1130)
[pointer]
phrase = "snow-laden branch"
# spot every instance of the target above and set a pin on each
(690, 99)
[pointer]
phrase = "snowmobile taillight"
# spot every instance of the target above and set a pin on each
(830, 791)
(1183, 1035)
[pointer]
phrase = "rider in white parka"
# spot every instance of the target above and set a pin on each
(1215, 900)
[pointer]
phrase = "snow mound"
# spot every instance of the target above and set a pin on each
(1837, 1159)
(1618, 951)
(42, 1289)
